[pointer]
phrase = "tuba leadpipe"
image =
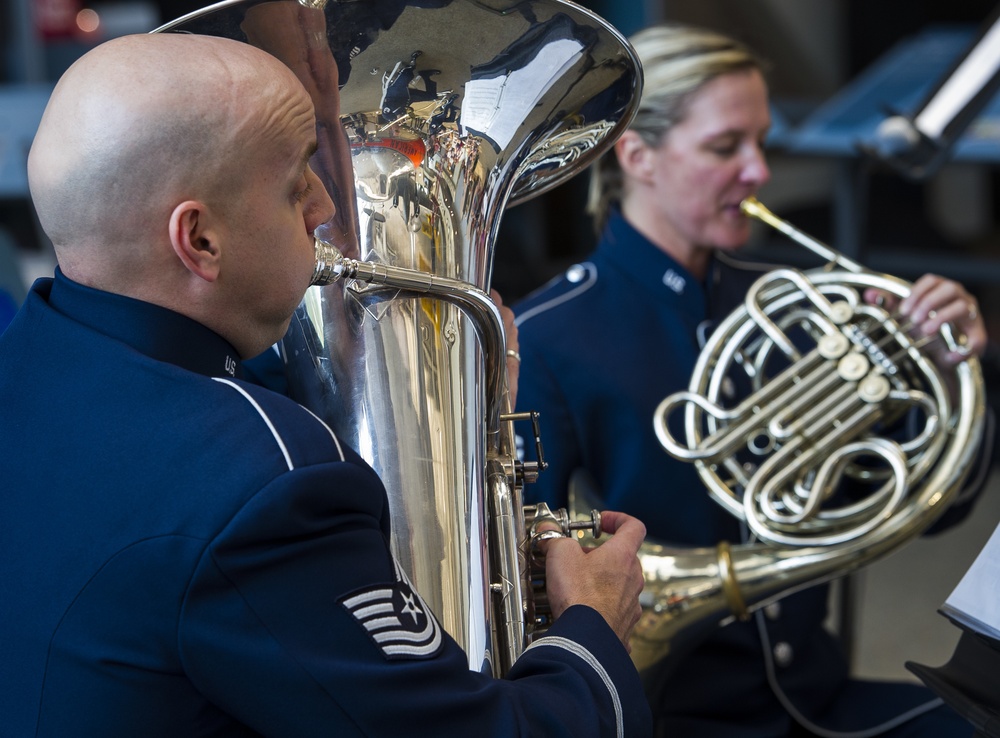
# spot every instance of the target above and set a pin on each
(812, 455)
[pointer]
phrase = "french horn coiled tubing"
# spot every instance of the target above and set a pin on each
(824, 423)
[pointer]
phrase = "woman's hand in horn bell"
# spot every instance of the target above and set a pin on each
(607, 578)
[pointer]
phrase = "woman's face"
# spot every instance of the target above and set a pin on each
(706, 164)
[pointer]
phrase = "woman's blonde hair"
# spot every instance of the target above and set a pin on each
(677, 61)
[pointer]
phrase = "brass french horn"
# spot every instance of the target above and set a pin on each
(849, 441)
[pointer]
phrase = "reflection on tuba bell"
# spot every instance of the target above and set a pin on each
(432, 117)
(848, 442)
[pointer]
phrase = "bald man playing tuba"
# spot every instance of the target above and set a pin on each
(186, 553)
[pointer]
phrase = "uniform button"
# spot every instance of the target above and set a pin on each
(783, 654)
(773, 611)
(576, 273)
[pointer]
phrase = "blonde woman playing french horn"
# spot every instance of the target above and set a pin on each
(603, 344)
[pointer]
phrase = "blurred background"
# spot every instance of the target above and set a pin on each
(837, 67)
(834, 65)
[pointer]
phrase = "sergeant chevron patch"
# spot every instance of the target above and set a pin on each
(396, 619)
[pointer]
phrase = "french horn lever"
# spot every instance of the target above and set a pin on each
(845, 441)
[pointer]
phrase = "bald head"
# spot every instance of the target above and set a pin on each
(137, 125)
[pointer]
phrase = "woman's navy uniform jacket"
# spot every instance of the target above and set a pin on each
(601, 346)
(186, 554)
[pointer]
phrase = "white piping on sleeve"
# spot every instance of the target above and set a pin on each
(591, 660)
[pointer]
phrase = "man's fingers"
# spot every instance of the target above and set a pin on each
(623, 526)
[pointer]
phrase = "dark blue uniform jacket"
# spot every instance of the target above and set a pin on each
(186, 554)
(601, 346)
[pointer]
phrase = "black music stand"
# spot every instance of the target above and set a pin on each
(968, 682)
(918, 143)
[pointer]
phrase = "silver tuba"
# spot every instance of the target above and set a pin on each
(433, 116)
(849, 441)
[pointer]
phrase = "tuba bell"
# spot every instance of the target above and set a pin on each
(433, 116)
(848, 442)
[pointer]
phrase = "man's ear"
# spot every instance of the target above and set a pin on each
(634, 156)
(195, 241)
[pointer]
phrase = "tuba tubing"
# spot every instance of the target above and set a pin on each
(332, 265)
(866, 371)
(511, 535)
(432, 118)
